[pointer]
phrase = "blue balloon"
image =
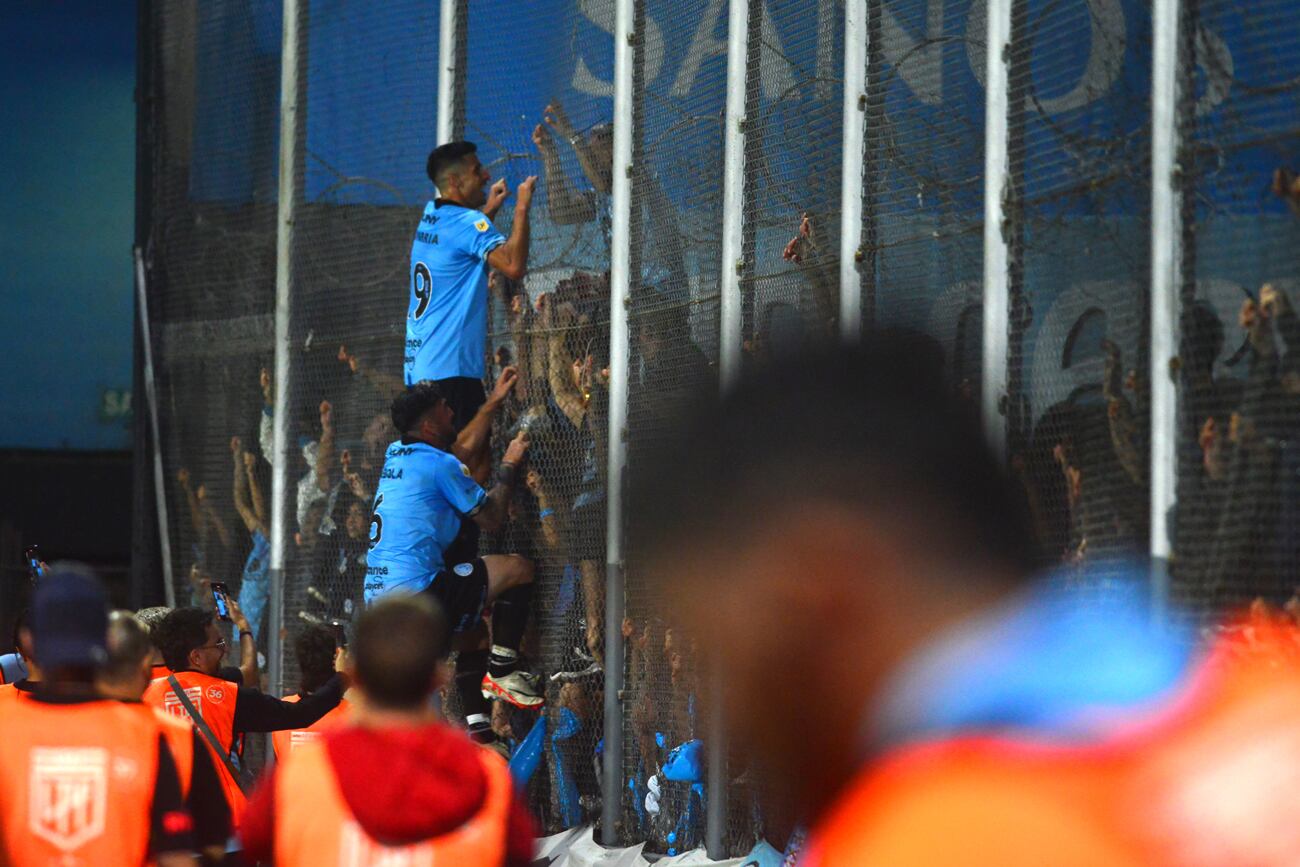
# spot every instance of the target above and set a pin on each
(684, 762)
(524, 762)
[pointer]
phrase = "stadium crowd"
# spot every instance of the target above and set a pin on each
(833, 528)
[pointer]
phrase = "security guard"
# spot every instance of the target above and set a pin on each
(397, 785)
(87, 780)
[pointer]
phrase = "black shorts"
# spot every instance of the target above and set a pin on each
(465, 395)
(462, 593)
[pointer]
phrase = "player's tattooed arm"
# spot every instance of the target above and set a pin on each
(511, 258)
(496, 505)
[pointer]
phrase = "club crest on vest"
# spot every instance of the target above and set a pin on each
(68, 790)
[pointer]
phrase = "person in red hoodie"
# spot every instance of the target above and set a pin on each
(396, 782)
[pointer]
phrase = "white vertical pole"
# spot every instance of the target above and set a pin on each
(151, 395)
(1166, 280)
(620, 286)
(447, 71)
(997, 306)
(855, 113)
(281, 492)
(733, 196)
(731, 357)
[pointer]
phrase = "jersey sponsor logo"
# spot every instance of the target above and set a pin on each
(357, 849)
(464, 570)
(172, 704)
(68, 795)
(401, 451)
(481, 225)
(216, 694)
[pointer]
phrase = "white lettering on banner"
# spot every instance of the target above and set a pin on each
(601, 14)
(68, 795)
(774, 70)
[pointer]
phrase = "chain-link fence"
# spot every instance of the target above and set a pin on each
(534, 85)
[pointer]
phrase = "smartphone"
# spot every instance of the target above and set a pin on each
(340, 633)
(33, 555)
(220, 593)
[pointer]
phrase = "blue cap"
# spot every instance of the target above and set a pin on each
(69, 619)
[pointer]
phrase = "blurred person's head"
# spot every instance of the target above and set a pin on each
(421, 412)
(397, 653)
(129, 668)
(817, 528)
(67, 628)
(190, 641)
(456, 171)
(315, 646)
(600, 145)
(658, 324)
(149, 618)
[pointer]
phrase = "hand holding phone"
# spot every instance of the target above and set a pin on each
(220, 593)
(35, 566)
(340, 633)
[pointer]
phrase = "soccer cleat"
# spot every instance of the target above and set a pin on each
(518, 687)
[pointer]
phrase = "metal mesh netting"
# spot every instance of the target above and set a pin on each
(212, 275)
(1235, 525)
(366, 122)
(679, 96)
(551, 117)
(1080, 143)
(923, 178)
(535, 92)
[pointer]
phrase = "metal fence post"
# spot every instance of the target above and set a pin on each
(619, 373)
(151, 398)
(448, 70)
(1166, 282)
(996, 259)
(281, 490)
(731, 342)
(855, 112)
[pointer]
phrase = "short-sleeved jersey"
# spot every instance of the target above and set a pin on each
(423, 494)
(446, 319)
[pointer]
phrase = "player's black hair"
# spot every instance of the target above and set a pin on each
(314, 646)
(873, 426)
(409, 406)
(182, 630)
(396, 649)
(447, 156)
(128, 645)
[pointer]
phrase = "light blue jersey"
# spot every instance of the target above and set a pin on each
(423, 494)
(446, 320)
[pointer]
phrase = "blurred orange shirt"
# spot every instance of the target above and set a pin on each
(1211, 779)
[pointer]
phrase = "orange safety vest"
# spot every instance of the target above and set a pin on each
(313, 824)
(215, 701)
(285, 742)
(9, 693)
(1208, 780)
(180, 740)
(79, 783)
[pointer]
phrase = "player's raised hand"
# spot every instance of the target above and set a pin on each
(518, 449)
(525, 193)
(496, 195)
(542, 138)
(326, 414)
(555, 116)
(183, 476)
(236, 446)
(250, 461)
(505, 382)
